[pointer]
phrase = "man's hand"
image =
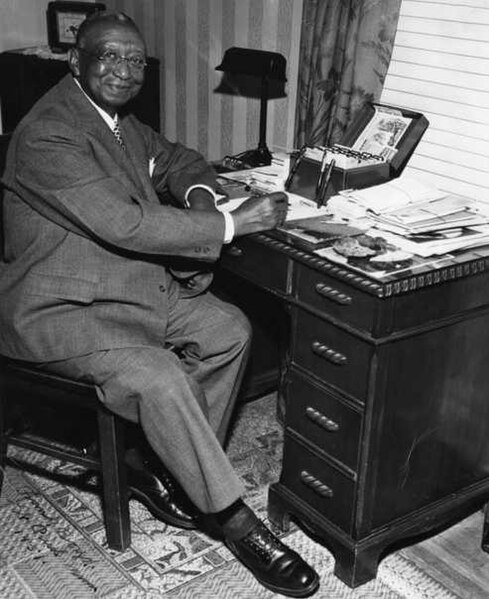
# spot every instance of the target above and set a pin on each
(260, 213)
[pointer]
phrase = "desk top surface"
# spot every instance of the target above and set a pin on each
(426, 272)
(374, 273)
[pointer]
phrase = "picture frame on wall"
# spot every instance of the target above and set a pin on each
(63, 20)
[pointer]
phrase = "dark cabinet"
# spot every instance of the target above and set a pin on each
(24, 78)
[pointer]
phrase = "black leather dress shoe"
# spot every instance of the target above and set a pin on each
(157, 490)
(275, 565)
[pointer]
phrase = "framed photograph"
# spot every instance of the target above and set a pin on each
(63, 20)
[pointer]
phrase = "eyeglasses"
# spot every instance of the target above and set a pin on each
(111, 59)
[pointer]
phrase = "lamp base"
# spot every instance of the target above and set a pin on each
(250, 159)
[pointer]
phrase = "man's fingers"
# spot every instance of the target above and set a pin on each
(278, 197)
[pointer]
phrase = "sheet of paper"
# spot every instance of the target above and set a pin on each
(299, 207)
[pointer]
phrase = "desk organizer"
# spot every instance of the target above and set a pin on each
(375, 148)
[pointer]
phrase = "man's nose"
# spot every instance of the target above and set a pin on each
(122, 68)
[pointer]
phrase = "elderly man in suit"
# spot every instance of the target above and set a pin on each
(110, 230)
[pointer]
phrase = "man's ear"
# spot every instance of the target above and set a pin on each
(74, 61)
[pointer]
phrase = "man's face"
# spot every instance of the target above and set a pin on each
(111, 82)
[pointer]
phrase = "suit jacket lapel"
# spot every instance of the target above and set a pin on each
(131, 160)
(138, 156)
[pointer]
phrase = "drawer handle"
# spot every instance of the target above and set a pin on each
(333, 294)
(316, 485)
(329, 354)
(234, 250)
(329, 425)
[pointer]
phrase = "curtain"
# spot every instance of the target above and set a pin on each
(346, 46)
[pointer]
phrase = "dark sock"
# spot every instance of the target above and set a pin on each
(237, 520)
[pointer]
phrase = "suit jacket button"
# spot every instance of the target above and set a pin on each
(162, 288)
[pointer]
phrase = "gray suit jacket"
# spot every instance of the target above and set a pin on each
(87, 241)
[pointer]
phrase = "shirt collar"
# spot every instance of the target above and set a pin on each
(111, 122)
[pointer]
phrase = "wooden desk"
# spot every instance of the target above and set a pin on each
(386, 388)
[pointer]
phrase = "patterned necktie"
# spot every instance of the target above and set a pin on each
(117, 133)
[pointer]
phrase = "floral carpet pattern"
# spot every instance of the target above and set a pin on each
(53, 538)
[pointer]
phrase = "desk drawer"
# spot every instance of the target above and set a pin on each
(265, 267)
(321, 486)
(336, 357)
(323, 420)
(336, 299)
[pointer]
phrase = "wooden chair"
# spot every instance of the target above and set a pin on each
(20, 383)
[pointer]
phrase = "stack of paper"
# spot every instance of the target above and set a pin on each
(440, 214)
(436, 244)
(421, 218)
(264, 179)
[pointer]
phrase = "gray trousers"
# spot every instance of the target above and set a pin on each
(182, 404)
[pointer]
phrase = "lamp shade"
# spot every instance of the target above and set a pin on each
(260, 63)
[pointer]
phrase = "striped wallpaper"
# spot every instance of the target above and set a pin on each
(440, 66)
(190, 37)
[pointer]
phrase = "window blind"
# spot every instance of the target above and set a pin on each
(440, 67)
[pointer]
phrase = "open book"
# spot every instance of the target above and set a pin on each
(394, 194)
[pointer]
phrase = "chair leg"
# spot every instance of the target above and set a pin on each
(3, 439)
(115, 490)
(485, 529)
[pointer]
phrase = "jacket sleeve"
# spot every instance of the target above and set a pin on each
(178, 168)
(60, 175)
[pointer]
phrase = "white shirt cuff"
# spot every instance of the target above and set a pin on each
(229, 227)
(228, 219)
(198, 186)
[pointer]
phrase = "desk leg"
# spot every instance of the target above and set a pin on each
(356, 566)
(277, 512)
(355, 563)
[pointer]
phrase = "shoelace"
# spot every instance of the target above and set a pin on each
(264, 542)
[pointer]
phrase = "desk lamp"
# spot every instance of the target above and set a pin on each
(243, 68)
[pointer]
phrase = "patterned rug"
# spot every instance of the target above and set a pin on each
(53, 538)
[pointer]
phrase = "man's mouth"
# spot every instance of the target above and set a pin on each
(119, 88)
